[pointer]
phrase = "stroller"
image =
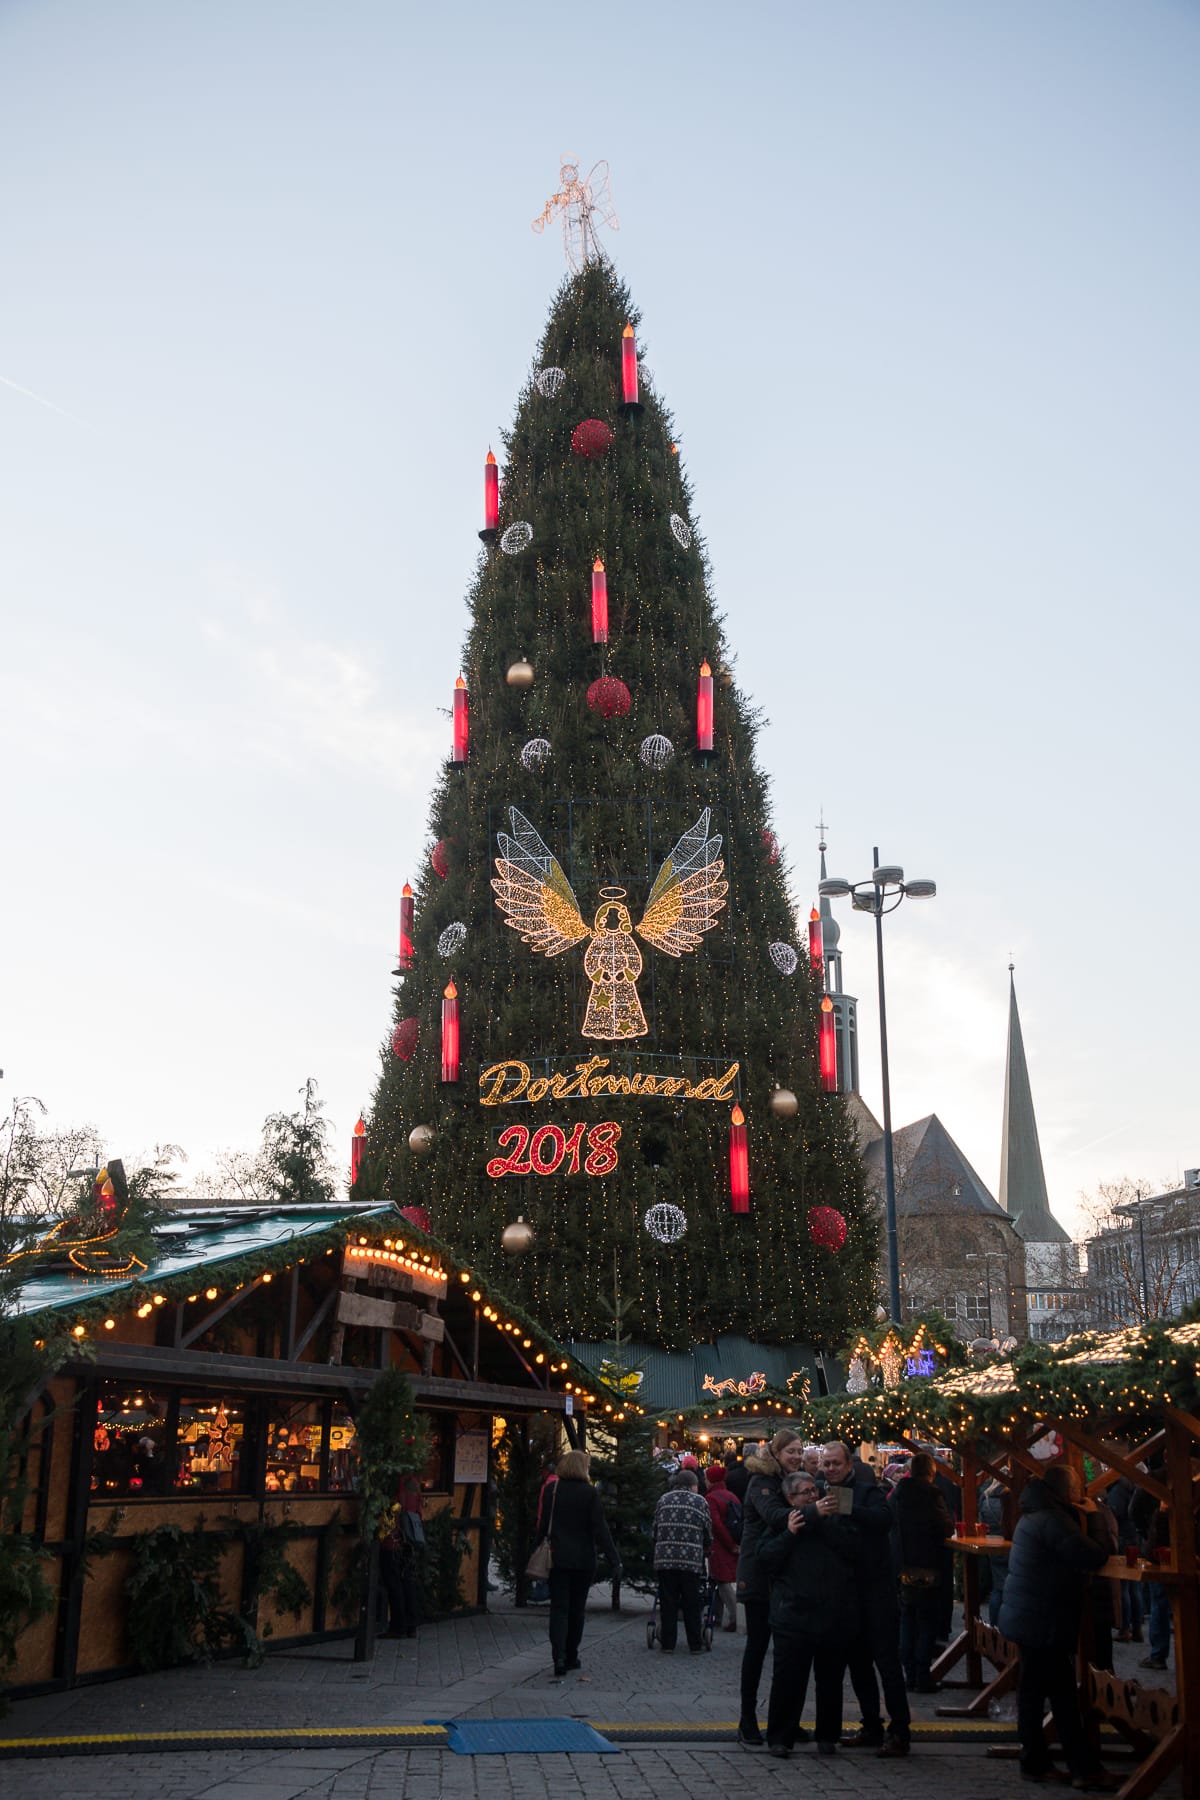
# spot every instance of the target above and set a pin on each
(708, 1619)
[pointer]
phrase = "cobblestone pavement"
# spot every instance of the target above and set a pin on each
(495, 1665)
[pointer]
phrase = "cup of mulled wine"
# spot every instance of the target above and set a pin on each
(1131, 1556)
(1163, 1554)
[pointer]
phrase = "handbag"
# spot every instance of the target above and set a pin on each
(542, 1560)
(414, 1529)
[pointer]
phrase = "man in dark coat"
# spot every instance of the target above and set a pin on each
(1050, 1558)
(813, 1612)
(877, 1643)
(923, 1524)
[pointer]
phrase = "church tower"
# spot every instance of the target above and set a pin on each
(845, 1006)
(1022, 1180)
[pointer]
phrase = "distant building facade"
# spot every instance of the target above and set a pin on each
(1146, 1263)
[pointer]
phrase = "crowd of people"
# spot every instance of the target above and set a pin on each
(840, 1571)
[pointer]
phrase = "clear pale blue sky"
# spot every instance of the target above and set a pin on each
(919, 282)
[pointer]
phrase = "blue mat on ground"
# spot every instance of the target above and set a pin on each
(532, 1737)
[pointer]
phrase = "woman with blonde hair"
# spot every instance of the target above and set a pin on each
(764, 1511)
(573, 1520)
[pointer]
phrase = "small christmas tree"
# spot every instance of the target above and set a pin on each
(599, 987)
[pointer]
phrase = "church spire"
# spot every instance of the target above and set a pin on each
(845, 1006)
(1022, 1180)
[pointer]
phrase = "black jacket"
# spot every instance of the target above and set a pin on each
(1050, 1556)
(812, 1585)
(577, 1526)
(737, 1480)
(872, 1521)
(923, 1522)
(763, 1509)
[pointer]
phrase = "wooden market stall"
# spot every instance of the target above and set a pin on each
(215, 1389)
(1119, 1404)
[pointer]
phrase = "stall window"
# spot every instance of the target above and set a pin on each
(212, 1452)
(294, 1447)
(343, 1452)
(437, 1477)
(129, 1442)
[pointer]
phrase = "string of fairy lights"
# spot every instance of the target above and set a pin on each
(591, 790)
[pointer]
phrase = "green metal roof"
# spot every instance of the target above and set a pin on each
(673, 1381)
(195, 1240)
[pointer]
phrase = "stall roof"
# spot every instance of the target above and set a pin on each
(193, 1240)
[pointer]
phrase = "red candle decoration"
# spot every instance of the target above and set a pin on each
(406, 927)
(599, 603)
(461, 721)
(816, 945)
(356, 1149)
(828, 1048)
(739, 1163)
(704, 709)
(491, 494)
(450, 1032)
(629, 379)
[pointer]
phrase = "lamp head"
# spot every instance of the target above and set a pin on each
(887, 875)
(920, 890)
(833, 889)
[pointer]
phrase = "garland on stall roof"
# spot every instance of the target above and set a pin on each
(96, 1313)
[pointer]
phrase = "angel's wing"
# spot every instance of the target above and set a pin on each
(533, 892)
(688, 892)
(597, 181)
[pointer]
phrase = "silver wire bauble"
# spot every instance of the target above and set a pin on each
(518, 537)
(535, 753)
(784, 958)
(452, 939)
(682, 531)
(656, 751)
(550, 382)
(665, 1223)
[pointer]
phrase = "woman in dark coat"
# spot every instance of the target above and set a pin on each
(763, 1510)
(1041, 1611)
(923, 1523)
(813, 1613)
(573, 1518)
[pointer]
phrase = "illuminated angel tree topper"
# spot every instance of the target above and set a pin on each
(612, 920)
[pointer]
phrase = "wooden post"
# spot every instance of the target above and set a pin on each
(1185, 1614)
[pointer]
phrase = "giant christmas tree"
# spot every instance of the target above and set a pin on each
(601, 918)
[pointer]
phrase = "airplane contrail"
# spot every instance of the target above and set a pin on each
(42, 401)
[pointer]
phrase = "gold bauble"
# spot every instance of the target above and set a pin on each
(520, 674)
(420, 1139)
(784, 1103)
(516, 1239)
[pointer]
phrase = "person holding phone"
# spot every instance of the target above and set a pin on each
(813, 1612)
(763, 1510)
(858, 1498)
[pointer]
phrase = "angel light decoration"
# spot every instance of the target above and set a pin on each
(584, 203)
(536, 898)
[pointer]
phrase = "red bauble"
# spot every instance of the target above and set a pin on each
(439, 858)
(609, 697)
(592, 438)
(416, 1215)
(404, 1038)
(826, 1227)
(770, 844)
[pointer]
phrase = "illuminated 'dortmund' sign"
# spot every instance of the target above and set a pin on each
(505, 1083)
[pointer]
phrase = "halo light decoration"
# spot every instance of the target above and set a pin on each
(404, 1038)
(452, 939)
(656, 751)
(826, 1227)
(609, 697)
(591, 439)
(516, 538)
(784, 958)
(665, 1223)
(535, 753)
(682, 531)
(550, 382)
(420, 1139)
(520, 674)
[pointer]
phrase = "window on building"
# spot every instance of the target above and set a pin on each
(129, 1442)
(294, 1434)
(212, 1452)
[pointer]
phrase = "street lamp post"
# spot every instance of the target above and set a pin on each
(1135, 1212)
(883, 894)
